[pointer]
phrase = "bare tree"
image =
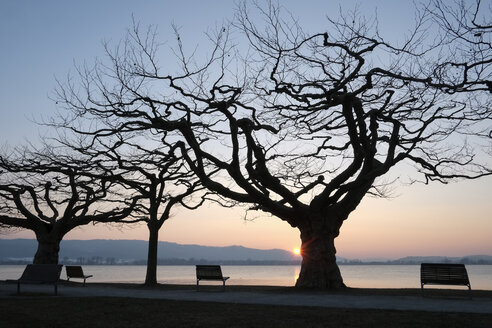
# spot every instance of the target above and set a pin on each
(304, 125)
(52, 194)
(151, 170)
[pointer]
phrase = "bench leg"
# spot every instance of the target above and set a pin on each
(56, 289)
(18, 287)
(197, 284)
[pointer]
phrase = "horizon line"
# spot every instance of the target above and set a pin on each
(368, 258)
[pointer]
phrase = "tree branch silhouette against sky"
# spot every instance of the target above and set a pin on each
(44, 41)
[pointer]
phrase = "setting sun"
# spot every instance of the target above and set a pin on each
(297, 251)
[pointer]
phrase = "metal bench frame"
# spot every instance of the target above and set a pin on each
(40, 274)
(209, 272)
(75, 271)
(443, 274)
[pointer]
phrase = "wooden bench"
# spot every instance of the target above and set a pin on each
(75, 271)
(40, 274)
(209, 272)
(443, 274)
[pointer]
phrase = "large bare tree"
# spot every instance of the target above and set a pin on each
(51, 194)
(304, 125)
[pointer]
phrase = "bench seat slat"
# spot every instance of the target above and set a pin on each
(75, 271)
(209, 272)
(40, 274)
(444, 274)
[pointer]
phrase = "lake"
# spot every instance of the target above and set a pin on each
(362, 276)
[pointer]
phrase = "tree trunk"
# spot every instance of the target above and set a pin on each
(319, 268)
(48, 249)
(151, 276)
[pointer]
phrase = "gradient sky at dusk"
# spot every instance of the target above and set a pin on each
(41, 40)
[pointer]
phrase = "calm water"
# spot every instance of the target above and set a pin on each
(363, 276)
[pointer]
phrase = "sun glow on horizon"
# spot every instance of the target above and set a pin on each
(296, 251)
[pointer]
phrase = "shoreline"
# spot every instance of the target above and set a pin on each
(432, 290)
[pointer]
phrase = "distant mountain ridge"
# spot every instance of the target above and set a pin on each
(414, 260)
(469, 259)
(136, 250)
(107, 251)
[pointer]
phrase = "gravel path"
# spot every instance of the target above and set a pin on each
(322, 299)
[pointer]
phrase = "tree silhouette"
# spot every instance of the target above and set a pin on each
(51, 194)
(151, 171)
(304, 125)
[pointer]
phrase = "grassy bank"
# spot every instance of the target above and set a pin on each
(46, 311)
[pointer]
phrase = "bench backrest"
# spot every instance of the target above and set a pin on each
(208, 272)
(74, 271)
(443, 273)
(46, 273)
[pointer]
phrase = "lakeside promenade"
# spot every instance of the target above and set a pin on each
(401, 300)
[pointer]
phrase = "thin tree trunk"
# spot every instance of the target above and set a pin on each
(319, 268)
(151, 276)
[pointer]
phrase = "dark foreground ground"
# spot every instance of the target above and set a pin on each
(42, 309)
(46, 311)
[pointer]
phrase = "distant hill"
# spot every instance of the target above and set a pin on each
(415, 260)
(124, 251)
(103, 251)
(17, 248)
(471, 259)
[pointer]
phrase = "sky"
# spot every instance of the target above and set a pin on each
(41, 41)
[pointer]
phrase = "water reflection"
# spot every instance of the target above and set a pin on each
(297, 271)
